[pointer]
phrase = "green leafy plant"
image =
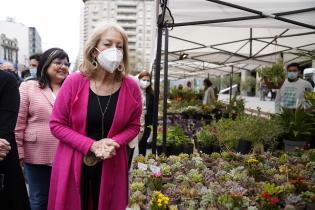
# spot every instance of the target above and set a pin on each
(249, 83)
(297, 124)
(273, 75)
(207, 136)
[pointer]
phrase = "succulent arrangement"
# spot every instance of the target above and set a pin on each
(232, 182)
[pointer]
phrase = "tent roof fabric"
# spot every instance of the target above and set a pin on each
(213, 48)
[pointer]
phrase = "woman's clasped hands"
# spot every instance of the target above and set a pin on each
(104, 148)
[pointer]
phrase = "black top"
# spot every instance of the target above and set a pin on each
(94, 114)
(149, 106)
(13, 194)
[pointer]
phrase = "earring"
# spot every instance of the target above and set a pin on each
(121, 68)
(95, 64)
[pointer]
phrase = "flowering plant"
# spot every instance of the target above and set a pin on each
(159, 201)
(155, 181)
(268, 201)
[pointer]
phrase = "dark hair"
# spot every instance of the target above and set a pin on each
(294, 65)
(25, 73)
(45, 60)
(144, 73)
(207, 82)
(36, 56)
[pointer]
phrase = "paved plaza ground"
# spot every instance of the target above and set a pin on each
(253, 103)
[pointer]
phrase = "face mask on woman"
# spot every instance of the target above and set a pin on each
(144, 84)
(110, 59)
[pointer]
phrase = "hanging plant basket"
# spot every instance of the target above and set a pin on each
(272, 85)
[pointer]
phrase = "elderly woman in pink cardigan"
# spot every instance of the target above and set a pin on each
(96, 114)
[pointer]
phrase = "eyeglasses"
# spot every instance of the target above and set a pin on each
(59, 64)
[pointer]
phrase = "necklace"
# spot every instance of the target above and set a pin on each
(101, 109)
(90, 159)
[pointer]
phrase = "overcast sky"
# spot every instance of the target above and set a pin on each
(57, 21)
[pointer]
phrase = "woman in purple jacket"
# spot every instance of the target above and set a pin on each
(96, 114)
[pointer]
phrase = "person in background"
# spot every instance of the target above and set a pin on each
(291, 93)
(25, 74)
(263, 90)
(13, 194)
(9, 67)
(209, 97)
(188, 85)
(34, 61)
(36, 144)
(97, 113)
(147, 110)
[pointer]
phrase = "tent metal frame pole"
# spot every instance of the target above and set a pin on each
(250, 42)
(274, 16)
(289, 35)
(165, 88)
(253, 17)
(224, 62)
(231, 83)
(271, 42)
(237, 7)
(185, 40)
(294, 22)
(295, 11)
(156, 88)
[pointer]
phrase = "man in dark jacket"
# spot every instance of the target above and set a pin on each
(13, 194)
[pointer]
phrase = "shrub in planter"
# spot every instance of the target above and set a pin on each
(206, 139)
(297, 125)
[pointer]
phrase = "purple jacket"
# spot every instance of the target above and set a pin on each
(68, 124)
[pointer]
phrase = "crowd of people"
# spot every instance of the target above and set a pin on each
(74, 134)
(69, 132)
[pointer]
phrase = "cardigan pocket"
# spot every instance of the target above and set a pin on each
(30, 137)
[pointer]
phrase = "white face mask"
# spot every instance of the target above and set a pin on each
(33, 72)
(144, 84)
(110, 59)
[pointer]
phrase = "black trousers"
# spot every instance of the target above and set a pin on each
(129, 155)
(143, 141)
(90, 184)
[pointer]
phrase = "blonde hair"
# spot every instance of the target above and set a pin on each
(87, 67)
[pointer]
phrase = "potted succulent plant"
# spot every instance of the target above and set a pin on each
(295, 201)
(137, 200)
(166, 173)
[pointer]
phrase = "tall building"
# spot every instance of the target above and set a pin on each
(8, 49)
(23, 40)
(135, 16)
(35, 41)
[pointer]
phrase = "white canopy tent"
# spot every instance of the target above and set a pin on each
(214, 36)
(217, 37)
